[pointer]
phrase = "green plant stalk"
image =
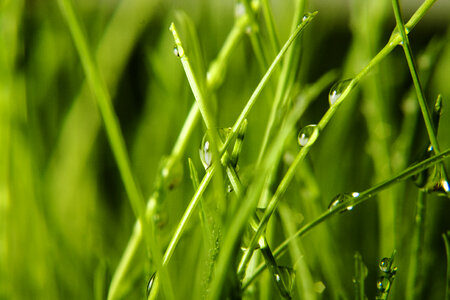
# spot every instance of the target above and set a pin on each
(446, 237)
(230, 171)
(200, 97)
(281, 189)
(395, 40)
(431, 130)
(363, 197)
(392, 43)
(358, 280)
(255, 37)
(214, 79)
(262, 242)
(195, 184)
(268, 18)
(304, 280)
(110, 120)
(242, 216)
(237, 186)
(243, 115)
(195, 87)
(182, 225)
(103, 100)
(115, 137)
(413, 284)
(283, 83)
(255, 94)
(415, 77)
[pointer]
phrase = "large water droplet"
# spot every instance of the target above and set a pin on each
(150, 284)
(383, 284)
(385, 265)
(205, 152)
(205, 146)
(308, 134)
(342, 198)
(337, 89)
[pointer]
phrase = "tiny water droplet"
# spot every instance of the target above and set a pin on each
(339, 199)
(445, 185)
(306, 16)
(355, 194)
(306, 134)
(337, 89)
(383, 284)
(205, 152)
(178, 51)
(385, 265)
(150, 284)
(277, 277)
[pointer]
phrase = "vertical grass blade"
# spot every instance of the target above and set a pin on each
(446, 237)
(115, 137)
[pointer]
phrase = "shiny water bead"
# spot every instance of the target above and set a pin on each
(306, 133)
(306, 16)
(385, 265)
(178, 51)
(337, 89)
(205, 152)
(383, 284)
(150, 284)
(445, 185)
(340, 199)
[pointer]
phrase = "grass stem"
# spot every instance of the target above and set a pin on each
(414, 273)
(363, 197)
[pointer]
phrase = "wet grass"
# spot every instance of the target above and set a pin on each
(101, 125)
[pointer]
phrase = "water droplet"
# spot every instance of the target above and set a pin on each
(306, 16)
(150, 284)
(337, 89)
(340, 199)
(441, 187)
(277, 277)
(383, 284)
(205, 152)
(445, 185)
(178, 51)
(385, 265)
(308, 134)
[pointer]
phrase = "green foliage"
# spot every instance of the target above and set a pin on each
(103, 193)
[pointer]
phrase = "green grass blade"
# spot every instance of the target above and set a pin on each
(363, 197)
(114, 134)
(446, 237)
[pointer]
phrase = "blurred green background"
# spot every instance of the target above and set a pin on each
(64, 216)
